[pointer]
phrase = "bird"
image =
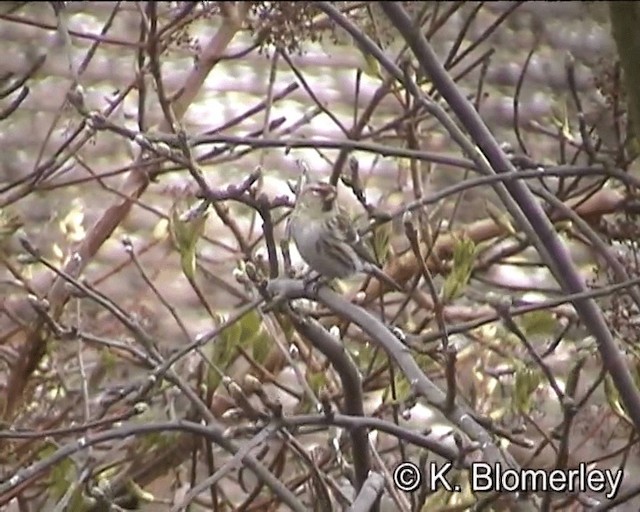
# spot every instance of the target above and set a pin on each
(326, 237)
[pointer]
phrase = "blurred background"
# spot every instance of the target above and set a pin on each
(283, 76)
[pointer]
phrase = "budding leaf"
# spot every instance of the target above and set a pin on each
(613, 398)
(380, 242)
(9, 224)
(538, 323)
(186, 228)
(464, 255)
(371, 66)
(527, 381)
(247, 333)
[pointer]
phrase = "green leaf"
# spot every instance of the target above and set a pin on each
(186, 226)
(250, 323)
(381, 241)
(137, 491)
(427, 363)
(371, 66)
(221, 351)
(363, 354)
(255, 337)
(79, 502)
(261, 346)
(247, 333)
(560, 119)
(62, 475)
(501, 219)
(317, 381)
(538, 323)
(526, 382)
(403, 387)
(158, 441)
(613, 398)
(9, 224)
(464, 255)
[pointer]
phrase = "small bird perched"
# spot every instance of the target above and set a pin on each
(325, 236)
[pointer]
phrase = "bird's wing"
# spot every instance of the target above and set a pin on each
(344, 227)
(350, 235)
